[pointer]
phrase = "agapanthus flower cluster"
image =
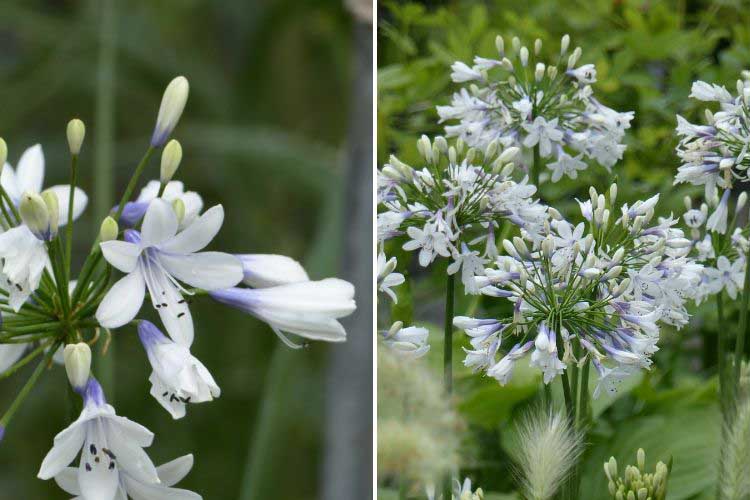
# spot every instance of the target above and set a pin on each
(597, 290)
(521, 99)
(715, 155)
(637, 482)
(455, 201)
(152, 248)
(722, 254)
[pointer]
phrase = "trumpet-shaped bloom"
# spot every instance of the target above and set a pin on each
(158, 259)
(108, 445)
(409, 342)
(169, 473)
(29, 177)
(309, 309)
(264, 270)
(178, 377)
(387, 278)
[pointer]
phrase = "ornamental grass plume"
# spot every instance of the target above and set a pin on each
(418, 431)
(734, 464)
(545, 451)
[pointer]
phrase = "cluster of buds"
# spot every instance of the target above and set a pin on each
(454, 201)
(523, 100)
(599, 288)
(637, 483)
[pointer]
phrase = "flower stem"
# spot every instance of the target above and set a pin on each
(535, 165)
(739, 348)
(27, 387)
(448, 359)
(69, 226)
(133, 181)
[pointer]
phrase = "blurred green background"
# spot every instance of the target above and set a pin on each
(647, 53)
(265, 133)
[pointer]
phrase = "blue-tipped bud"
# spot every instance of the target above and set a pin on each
(170, 111)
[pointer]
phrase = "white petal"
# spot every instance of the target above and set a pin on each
(10, 184)
(80, 201)
(193, 206)
(67, 445)
(263, 271)
(173, 310)
(130, 456)
(140, 491)
(95, 478)
(30, 170)
(332, 296)
(132, 431)
(123, 255)
(67, 479)
(173, 472)
(175, 407)
(122, 302)
(205, 270)
(9, 354)
(159, 223)
(199, 234)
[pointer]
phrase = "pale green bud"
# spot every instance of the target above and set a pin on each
(508, 154)
(539, 72)
(77, 364)
(179, 209)
(491, 150)
(500, 45)
(552, 72)
(516, 42)
(688, 202)
(53, 209)
(76, 132)
(442, 144)
(394, 329)
(170, 160)
(35, 215)
(524, 56)
(3, 153)
(470, 155)
(108, 230)
(741, 201)
(172, 105)
(537, 46)
(564, 44)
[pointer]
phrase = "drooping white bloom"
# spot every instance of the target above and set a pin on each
(178, 378)
(169, 473)
(409, 342)
(29, 177)
(545, 355)
(107, 443)
(309, 309)
(157, 259)
(266, 270)
(387, 277)
(24, 258)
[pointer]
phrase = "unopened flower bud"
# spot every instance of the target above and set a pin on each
(554, 213)
(76, 132)
(688, 202)
(179, 209)
(507, 170)
(539, 71)
(507, 64)
(516, 42)
(34, 214)
(500, 45)
(53, 209)
(523, 55)
(537, 46)
(108, 230)
(508, 154)
(612, 194)
(77, 364)
(573, 59)
(441, 144)
(552, 72)
(3, 153)
(170, 111)
(394, 329)
(741, 201)
(491, 150)
(564, 44)
(170, 160)
(641, 459)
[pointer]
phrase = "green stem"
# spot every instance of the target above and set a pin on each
(133, 181)
(24, 361)
(739, 348)
(27, 387)
(448, 359)
(69, 226)
(535, 165)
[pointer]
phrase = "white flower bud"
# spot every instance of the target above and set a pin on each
(452, 155)
(564, 44)
(108, 230)
(552, 72)
(3, 153)
(539, 72)
(726, 164)
(500, 45)
(619, 254)
(170, 111)
(612, 194)
(53, 209)
(507, 64)
(507, 170)
(491, 150)
(641, 459)
(523, 56)
(537, 46)
(77, 364)
(688, 202)
(441, 144)
(171, 157)
(554, 213)
(179, 209)
(34, 214)
(613, 273)
(593, 196)
(510, 249)
(394, 329)
(741, 201)
(508, 154)
(516, 42)
(76, 132)
(709, 117)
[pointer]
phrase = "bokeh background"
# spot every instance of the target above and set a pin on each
(277, 129)
(647, 53)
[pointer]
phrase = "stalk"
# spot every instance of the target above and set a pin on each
(69, 227)
(536, 163)
(133, 181)
(722, 355)
(739, 347)
(448, 359)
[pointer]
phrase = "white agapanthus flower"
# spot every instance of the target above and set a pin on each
(174, 190)
(601, 293)
(409, 342)
(387, 278)
(108, 444)
(157, 259)
(169, 473)
(454, 202)
(521, 100)
(24, 259)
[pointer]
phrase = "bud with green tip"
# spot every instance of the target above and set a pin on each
(637, 483)
(170, 111)
(77, 364)
(35, 215)
(76, 132)
(108, 230)
(3, 153)
(179, 209)
(170, 160)
(53, 209)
